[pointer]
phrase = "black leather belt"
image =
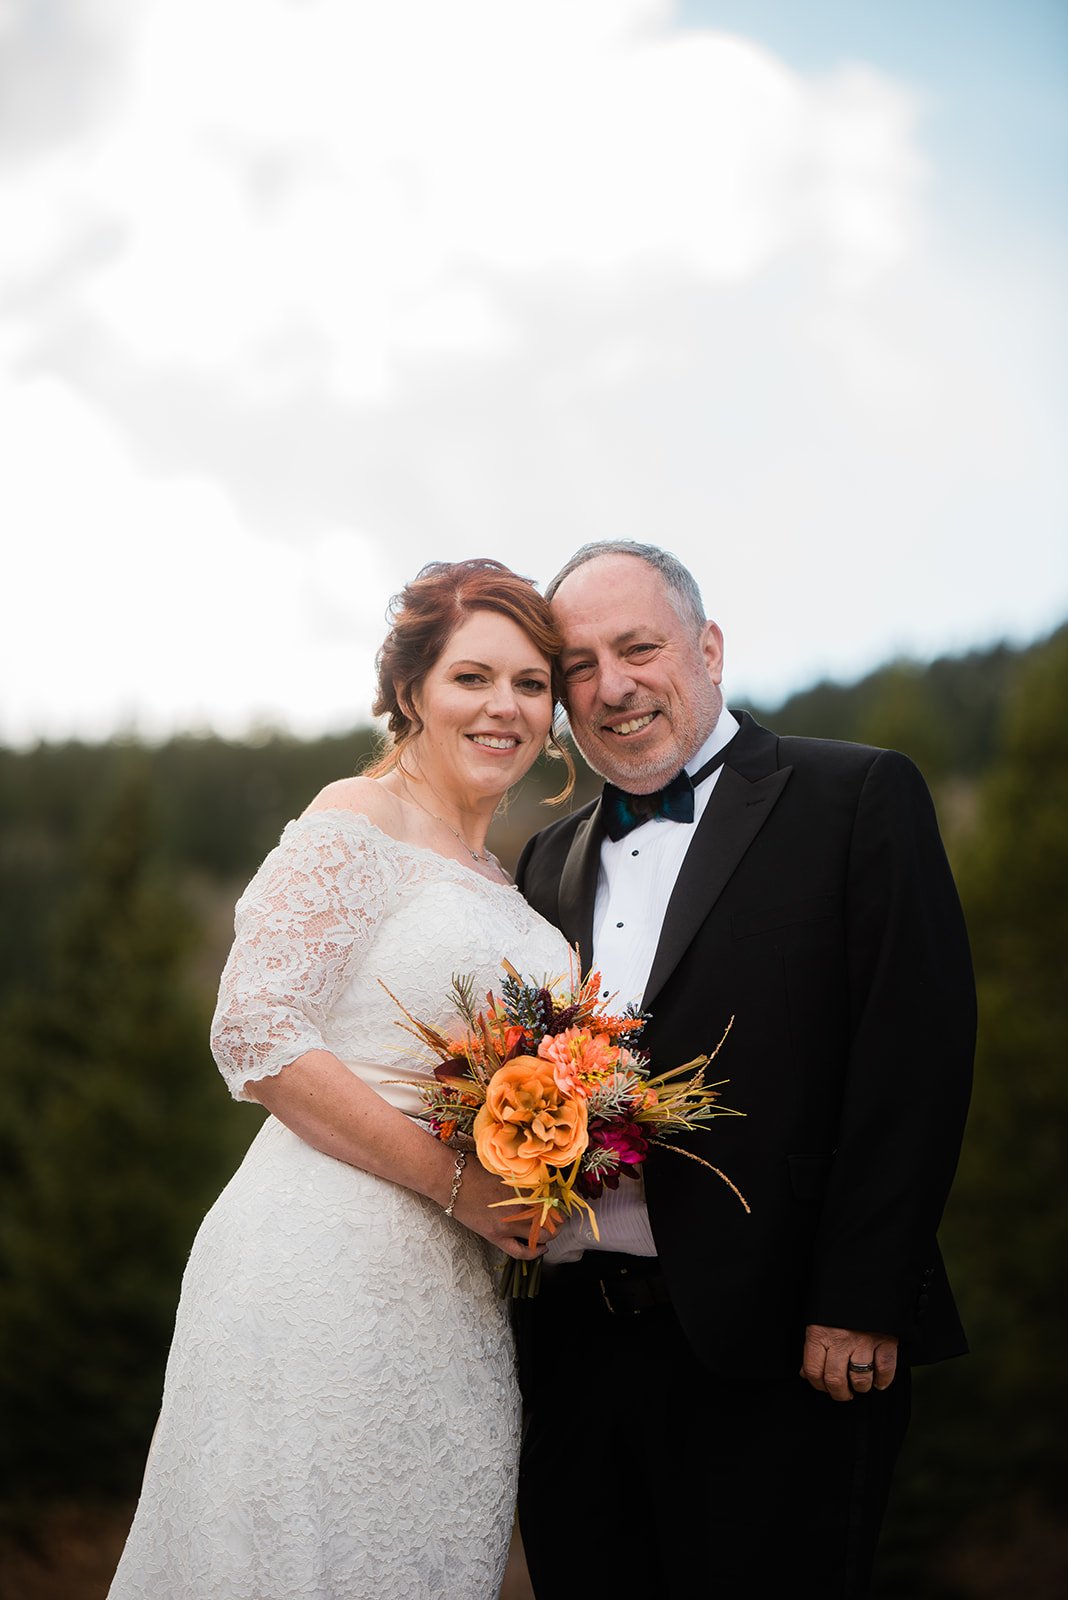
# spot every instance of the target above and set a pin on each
(623, 1285)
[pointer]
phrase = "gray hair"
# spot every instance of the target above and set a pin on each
(678, 580)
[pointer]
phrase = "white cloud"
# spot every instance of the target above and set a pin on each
(147, 604)
(321, 291)
(372, 173)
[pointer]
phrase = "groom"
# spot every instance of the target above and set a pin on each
(731, 1387)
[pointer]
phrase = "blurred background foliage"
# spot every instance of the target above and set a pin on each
(119, 868)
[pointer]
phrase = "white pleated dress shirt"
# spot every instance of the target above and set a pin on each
(634, 884)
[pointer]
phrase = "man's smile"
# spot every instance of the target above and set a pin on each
(635, 725)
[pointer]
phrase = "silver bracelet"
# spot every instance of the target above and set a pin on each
(457, 1179)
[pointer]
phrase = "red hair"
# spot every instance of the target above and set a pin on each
(425, 615)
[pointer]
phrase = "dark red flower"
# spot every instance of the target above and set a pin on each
(625, 1138)
(627, 1144)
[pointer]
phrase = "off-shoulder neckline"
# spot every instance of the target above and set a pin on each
(363, 823)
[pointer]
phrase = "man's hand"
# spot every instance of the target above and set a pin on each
(829, 1353)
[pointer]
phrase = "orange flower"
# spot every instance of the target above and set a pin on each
(576, 1052)
(527, 1125)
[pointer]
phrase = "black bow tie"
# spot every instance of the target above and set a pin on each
(620, 811)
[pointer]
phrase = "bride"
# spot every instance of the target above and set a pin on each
(340, 1413)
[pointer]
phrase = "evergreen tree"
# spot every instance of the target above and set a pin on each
(987, 1460)
(1010, 1218)
(116, 1136)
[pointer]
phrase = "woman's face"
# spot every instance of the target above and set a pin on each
(486, 707)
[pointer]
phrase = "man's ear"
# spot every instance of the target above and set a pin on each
(712, 650)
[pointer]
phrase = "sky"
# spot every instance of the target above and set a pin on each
(297, 295)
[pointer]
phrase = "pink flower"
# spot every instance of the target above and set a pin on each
(575, 1054)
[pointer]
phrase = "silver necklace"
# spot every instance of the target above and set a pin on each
(475, 855)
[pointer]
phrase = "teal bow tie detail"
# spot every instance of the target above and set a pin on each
(620, 811)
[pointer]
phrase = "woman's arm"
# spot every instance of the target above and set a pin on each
(307, 916)
(329, 1107)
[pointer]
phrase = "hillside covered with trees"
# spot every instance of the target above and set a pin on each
(119, 868)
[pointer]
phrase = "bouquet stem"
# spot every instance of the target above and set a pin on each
(518, 1280)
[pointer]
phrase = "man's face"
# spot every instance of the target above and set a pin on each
(642, 684)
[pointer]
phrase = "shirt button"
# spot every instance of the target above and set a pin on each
(634, 852)
(619, 924)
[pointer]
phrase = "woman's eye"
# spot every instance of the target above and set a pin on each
(468, 677)
(533, 686)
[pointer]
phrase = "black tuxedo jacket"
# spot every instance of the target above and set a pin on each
(816, 907)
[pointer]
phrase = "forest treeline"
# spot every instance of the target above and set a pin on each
(119, 867)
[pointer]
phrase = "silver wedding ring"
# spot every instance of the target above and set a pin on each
(862, 1366)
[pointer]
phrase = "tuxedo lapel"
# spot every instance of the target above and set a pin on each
(746, 792)
(745, 795)
(578, 885)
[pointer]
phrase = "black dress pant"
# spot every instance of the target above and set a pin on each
(643, 1474)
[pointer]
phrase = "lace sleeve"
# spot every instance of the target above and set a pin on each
(307, 915)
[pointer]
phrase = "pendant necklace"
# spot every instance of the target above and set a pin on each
(487, 859)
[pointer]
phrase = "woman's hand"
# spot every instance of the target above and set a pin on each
(507, 1227)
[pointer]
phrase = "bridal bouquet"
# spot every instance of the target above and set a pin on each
(556, 1099)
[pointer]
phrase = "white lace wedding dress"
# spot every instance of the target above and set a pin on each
(340, 1413)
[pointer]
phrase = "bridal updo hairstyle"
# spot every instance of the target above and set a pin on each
(424, 616)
